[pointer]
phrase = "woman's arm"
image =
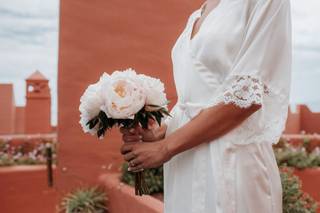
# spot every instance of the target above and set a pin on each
(210, 124)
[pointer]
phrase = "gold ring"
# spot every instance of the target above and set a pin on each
(131, 164)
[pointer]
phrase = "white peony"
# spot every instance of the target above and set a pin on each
(124, 95)
(91, 102)
(154, 89)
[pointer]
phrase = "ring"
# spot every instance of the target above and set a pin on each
(131, 164)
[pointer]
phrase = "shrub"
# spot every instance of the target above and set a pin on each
(153, 178)
(294, 199)
(84, 200)
(297, 157)
(24, 154)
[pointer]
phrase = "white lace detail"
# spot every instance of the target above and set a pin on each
(244, 91)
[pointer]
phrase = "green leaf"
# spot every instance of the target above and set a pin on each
(93, 122)
(164, 111)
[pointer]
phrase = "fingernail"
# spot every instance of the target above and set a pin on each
(140, 136)
(129, 169)
(131, 130)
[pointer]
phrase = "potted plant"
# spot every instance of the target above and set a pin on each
(85, 200)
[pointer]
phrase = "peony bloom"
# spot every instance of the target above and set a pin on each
(91, 102)
(154, 89)
(124, 95)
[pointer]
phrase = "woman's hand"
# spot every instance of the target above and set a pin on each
(138, 134)
(143, 155)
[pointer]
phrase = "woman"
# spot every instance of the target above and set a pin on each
(232, 70)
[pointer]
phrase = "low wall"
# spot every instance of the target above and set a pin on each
(24, 189)
(310, 182)
(123, 200)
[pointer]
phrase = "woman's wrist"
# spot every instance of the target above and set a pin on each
(167, 151)
(171, 147)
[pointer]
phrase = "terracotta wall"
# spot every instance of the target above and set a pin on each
(20, 120)
(302, 119)
(310, 121)
(24, 189)
(38, 115)
(293, 122)
(122, 199)
(7, 109)
(97, 36)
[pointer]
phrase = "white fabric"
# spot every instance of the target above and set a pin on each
(240, 55)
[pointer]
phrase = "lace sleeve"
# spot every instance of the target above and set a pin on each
(244, 90)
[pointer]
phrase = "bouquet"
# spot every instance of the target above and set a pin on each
(123, 99)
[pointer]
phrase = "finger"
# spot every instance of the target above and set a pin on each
(137, 168)
(126, 148)
(127, 131)
(135, 162)
(129, 156)
(151, 123)
(131, 138)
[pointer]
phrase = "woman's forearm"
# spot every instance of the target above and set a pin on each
(210, 124)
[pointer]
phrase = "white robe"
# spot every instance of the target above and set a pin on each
(241, 55)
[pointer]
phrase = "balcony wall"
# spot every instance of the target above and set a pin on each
(24, 189)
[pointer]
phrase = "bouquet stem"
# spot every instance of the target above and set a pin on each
(141, 187)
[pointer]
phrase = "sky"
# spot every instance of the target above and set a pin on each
(29, 42)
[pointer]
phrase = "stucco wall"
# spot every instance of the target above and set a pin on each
(7, 109)
(24, 189)
(20, 120)
(97, 36)
(38, 115)
(310, 121)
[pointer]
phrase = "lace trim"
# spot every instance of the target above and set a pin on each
(244, 91)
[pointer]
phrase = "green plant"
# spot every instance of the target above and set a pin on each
(85, 200)
(24, 154)
(297, 157)
(153, 178)
(294, 199)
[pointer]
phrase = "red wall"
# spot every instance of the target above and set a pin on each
(38, 116)
(7, 109)
(20, 120)
(24, 189)
(302, 119)
(310, 121)
(293, 122)
(97, 36)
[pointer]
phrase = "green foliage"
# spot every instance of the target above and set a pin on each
(153, 178)
(102, 122)
(294, 199)
(84, 200)
(297, 157)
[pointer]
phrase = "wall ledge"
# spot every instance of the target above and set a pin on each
(122, 199)
(23, 168)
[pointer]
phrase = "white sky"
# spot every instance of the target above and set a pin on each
(29, 41)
